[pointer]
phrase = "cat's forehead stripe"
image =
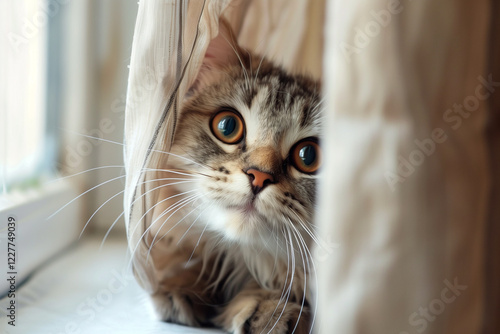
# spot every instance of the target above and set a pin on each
(249, 95)
(288, 96)
(255, 118)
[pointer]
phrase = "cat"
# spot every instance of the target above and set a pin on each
(233, 225)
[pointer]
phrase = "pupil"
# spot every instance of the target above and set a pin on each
(227, 125)
(308, 155)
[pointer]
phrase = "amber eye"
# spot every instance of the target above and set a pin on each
(306, 156)
(227, 126)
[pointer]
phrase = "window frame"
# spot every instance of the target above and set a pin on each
(48, 221)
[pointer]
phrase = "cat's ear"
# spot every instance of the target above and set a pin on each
(222, 52)
(223, 49)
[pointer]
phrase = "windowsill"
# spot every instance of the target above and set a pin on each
(35, 238)
(88, 290)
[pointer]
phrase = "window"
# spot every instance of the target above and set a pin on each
(63, 77)
(30, 100)
(25, 147)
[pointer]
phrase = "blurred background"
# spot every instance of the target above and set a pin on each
(63, 88)
(64, 70)
(63, 81)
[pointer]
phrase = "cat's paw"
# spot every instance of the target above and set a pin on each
(250, 315)
(271, 316)
(176, 308)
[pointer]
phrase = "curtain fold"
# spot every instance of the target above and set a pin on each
(492, 246)
(169, 40)
(407, 194)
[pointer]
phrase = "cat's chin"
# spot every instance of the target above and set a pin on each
(243, 224)
(247, 210)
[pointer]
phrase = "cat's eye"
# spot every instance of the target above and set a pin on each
(227, 126)
(306, 156)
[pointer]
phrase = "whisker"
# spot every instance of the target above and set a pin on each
(191, 156)
(258, 69)
(286, 291)
(315, 278)
(160, 202)
(153, 243)
(302, 255)
(307, 230)
(152, 207)
(103, 183)
(180, 206)
(85, 171)
(197, 243)
(77, 197)
(116, 220)
(147, 192)
(289, 292)
(95, 212)
(122, 144)
(185, 233)
(245, 72)
(180, 222)
(175, 172)
(157, 219)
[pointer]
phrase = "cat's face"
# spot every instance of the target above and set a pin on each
(255, 141)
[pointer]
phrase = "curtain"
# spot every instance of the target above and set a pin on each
(406, 202)
(410, 97)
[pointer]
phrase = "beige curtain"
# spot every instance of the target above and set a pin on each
(408, 195)
(406, 201)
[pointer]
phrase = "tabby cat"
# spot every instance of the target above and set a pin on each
(232, 229)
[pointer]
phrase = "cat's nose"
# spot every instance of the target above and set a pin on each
(259, 180)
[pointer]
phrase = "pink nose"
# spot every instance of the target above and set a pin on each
(258, 179)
